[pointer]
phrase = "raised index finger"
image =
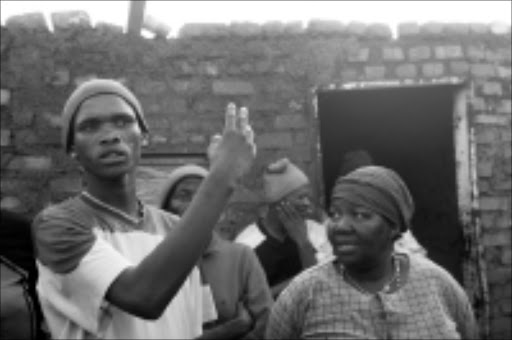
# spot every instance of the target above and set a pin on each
(230, 123)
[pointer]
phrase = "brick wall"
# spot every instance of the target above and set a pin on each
(184, 84)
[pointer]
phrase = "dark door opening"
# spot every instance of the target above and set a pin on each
(410, 130)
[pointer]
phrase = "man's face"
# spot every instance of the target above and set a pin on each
(107, 136)
(300, 199)
(183, 195)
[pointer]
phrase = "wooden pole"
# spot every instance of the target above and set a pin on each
(136, 16)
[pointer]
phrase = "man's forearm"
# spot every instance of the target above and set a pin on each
(156, 280)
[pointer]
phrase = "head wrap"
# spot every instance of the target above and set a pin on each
(379, 189)
(89, 89)
(180, 173)
(281, 178)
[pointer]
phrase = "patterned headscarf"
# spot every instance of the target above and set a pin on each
(379, 189)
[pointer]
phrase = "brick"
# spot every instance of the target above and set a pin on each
(499, 238)
(60, 77)
(393, 53)
(359, 55)
(459, 67)
(483, 70)
(192, 30)
(492, 88)
(70, 19)
(11, 203)
(23, 137)
(281, 140)
(479, 28)
(232, 87)
(475, 53)
(23, 117)
(406, 71)
(289, 121)
(500, 28)
(375, 72)
(197, 139)
(349, 74)
(293, 27)
(325, 26)
(144, 86)
(30, 163)
(478, 103)
(499, 275)
(108, 28)
(448, 52)
(5, 97)
(378, 30)
(456, 29)
(484, 169)
(419, 53)
(301, 138)
(432, 70)
(30, 21)
(501, 324)
(272, 28)
(408, 29)
(488, 119)
(432, 28)
(503, 72)
(356, 28)
(504, 106)
(244, 29)
(5, 137)
(506, 258)
(494, 203)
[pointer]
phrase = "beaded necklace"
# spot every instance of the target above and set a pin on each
(388, 287)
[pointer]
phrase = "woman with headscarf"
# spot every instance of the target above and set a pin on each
(231, 272)
(370, 290)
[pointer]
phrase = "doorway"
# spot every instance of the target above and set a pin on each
(409, 129)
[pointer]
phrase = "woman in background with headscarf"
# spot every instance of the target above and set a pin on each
(231, 272)
(370, 290)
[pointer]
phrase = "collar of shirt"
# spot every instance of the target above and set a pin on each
(90, 199)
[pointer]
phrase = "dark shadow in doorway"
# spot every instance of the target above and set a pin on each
(411, 130)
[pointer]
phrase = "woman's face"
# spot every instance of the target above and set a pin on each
(183, 195)
(358, 235)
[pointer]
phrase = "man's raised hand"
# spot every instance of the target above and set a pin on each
(235, 150)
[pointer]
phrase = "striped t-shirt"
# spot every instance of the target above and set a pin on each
(82, 245)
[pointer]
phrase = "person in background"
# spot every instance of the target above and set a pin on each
(231, 271)
(109, 265)
(286, 238)
(20, 312)
(370, 290)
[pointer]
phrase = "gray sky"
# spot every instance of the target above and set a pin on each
(176, 13)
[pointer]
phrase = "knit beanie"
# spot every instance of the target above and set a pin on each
(89, 89)
(282, 178)
(178, 174)
(379, 189)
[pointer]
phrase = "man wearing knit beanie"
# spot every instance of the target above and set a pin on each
(286, 238)
(109, 265)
